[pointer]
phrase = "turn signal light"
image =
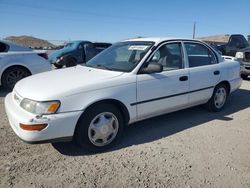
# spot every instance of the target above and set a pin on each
(53, 107)
(33, 127)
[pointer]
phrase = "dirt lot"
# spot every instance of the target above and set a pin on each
(190, 148)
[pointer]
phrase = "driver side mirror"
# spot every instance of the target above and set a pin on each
(152, 68)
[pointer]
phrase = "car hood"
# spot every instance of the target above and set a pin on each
(247, 49)
(64, 82)
(58, 53)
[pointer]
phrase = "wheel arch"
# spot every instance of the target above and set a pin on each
(13, 66)
(64, 58)
(121, 106)
(74, 58)
(227, 84)
(69, 55)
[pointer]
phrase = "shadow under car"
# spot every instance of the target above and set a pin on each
(163, 126)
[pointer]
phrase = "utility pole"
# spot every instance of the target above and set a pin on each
(194, 30)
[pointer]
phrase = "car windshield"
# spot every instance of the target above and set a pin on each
(123, 56)
(70, 45)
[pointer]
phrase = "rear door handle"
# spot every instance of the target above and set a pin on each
(216, 72)
(183, 78)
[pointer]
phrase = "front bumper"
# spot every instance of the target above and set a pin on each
(60, 127)
(245, 69)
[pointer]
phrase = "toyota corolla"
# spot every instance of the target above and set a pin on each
(128, 82)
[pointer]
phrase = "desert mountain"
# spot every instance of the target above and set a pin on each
(30, 41)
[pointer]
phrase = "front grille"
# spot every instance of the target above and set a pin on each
(247, 56)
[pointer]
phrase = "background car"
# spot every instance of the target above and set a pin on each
(243, 56)
(17, 62)
(76, 52)
(233, 47)
(228, 45)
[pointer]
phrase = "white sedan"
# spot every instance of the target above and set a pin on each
(17, 62)
(130, 81)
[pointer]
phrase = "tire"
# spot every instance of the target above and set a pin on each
(244, 77)
(70, 62)
(58, 66)
(12, 75)
(219, 98)
(95, 132)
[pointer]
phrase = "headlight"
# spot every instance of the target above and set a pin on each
(40, 108)
(239, 55)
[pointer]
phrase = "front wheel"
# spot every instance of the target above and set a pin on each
(70, 62)
(58, 66)
(99, 128)
(218, 99)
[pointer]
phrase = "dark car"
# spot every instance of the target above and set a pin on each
(228, 45)
(76, 52)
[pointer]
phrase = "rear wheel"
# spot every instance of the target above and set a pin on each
(99, 128)
(218, 99)
(12, 75)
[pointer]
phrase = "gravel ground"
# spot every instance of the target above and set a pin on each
(189, 148)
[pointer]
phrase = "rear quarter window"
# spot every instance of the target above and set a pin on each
(3, 47)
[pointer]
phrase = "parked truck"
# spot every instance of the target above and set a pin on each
(243, 56)
(76, 52)
(233, 47)
(228, 45)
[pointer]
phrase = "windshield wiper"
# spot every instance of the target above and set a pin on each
(103, 67)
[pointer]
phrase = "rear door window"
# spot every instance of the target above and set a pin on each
(199, 55)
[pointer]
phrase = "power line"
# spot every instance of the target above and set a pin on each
(86, 19)
(62, 10)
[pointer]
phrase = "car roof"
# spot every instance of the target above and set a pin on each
(158, 40)
(78, 41)
(86, 41)
(15, 47)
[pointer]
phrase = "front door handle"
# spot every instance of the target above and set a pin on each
(216, 72)
(183, 78)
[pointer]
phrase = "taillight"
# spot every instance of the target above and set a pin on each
(44, 55)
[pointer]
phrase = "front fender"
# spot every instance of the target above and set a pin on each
(125, 94)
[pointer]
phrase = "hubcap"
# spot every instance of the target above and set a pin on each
(103, 129)
(220, 97)
(14, 76)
